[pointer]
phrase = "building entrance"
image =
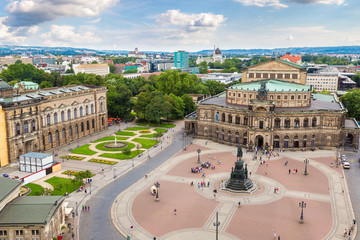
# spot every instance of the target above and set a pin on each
(259, 141)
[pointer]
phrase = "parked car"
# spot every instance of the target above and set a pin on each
(346, 165)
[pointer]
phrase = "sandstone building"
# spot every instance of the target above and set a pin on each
(273, 108)
(41, 120)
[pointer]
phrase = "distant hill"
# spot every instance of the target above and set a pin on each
(7, 50)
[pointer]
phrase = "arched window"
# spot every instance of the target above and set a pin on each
(223, 117)
(62, 116)
(87, 125)
(55, 118)
(313, 122)
(245, 120)
(277, 123)
(92, 108)
(229, 118)
(70, 131)
(26, 127)
(49, 138)
(63, 133)
(101, 107)
(82, 127)
(76, 129)
(93, 123)
(287, 123)
(87, 110)
(48, 119)
(245, 139)
(69, 115)
(81, 111)
(33, 125)
(296, 123)
(75, 113)
(237, 120)
(18, 129)
(306, 122)
(56, 135)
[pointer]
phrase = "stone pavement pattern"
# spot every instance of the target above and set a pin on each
(327, 214)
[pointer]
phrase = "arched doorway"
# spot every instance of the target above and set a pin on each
(259, 141)
(276, 143)
(349, 139)
(296, 142)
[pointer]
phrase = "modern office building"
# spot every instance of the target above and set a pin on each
(181, 59)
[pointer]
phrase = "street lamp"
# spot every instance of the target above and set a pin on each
(302, 205)
(90, 185)
(114, 172)
(157, 185)
(132, 162)
(199, 151)
(306, 161)
(217, 224)
(148, 153)
(76, 206)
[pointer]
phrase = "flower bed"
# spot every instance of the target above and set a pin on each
(73, 173)
(145, 131)
(101, 161)
(72, 157)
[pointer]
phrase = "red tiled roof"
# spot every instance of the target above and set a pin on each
(293, 59)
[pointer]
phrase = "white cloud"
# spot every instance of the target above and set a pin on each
(65, 35)
(191, 22)
(97, 20)
(263, 3)
(18, 35)
(281, 4)
(33, 12)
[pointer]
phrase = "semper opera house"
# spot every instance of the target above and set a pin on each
(273, 108)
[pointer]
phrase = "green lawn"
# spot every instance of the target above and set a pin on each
(35, 188)
(123, 133)
(121, 156)
(73, 173)
(84, 150)
(160, 130)
(149, 135)
(109, 139)
(146, 143)
(136, 128)
(164, 125)
(101, 147)
(63, 185)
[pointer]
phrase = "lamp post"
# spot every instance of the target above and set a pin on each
(114, 172)
(217, 224)
(199, 151)
(90, 186)
(302, 205)
(157, 185)
(76, 206)
(306, 161)
(132, 162)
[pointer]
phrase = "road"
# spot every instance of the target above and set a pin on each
(97, 224)
(353, 179)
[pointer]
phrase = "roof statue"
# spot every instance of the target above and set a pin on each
(262, 92)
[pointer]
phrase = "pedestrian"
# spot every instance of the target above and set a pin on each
(345, 233)
(145, 175)
(275, 235)
(174, 211)
(154, 238)
(214, 196)
(85, 208)
(208, 184)
(275, 190)
(192, 183)
(85, 191)
(198, 185)
(289, 170)
(349, 232)
(88, 208)
(296, 170)
(239, 203)
(279, 237)
(250, 174)
(354, 221)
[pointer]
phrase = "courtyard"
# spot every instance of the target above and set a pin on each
(272, 207)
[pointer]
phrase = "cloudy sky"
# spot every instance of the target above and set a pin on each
(169, 25)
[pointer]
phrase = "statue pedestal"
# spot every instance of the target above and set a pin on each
(224, 187)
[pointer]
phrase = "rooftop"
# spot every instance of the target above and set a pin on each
(30, 210)
(4, 85)
(7, 186)
(351, 123)
(36, 155)
(273, 85)
(92, 65)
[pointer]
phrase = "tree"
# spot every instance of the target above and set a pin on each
(119, 100)
(143, 99)
(177, 106)
(18, 62)
(45, 84)
(352, 102)
(127, 152)
(94, 62)
(111, 67)
(157, 109)
(134, 70)
(215, 87)
(138, 146)
(325, 92)
(203, 67)
(188, 104)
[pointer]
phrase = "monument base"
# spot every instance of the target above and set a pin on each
(238, 189)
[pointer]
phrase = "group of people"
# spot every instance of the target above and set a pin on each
(196, 170)
(86, 208)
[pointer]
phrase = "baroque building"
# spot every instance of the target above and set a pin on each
(41, 120)
(273, 108)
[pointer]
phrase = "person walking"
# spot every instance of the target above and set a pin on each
(88, 208)
(175, 211)
(275, 235)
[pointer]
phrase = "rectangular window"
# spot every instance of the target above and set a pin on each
(278, 97)
(3, 233)
(239, 95)
(234, 94)
(250, 96)
(280, 76)
(251, 75)
(258, 75)
(292, 97)
(265, 75)
(299, 96)
(287, 75)
(272, 75)
(244, 95)
(35, 232)
(294, 76)
(19, 232)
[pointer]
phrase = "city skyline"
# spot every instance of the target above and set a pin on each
(168, 25)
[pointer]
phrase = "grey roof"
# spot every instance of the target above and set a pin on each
(351, 123)
(43, 93)
(36, 155)
(315, 105)
(4, 85)
(30, 210)
(7, 186)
